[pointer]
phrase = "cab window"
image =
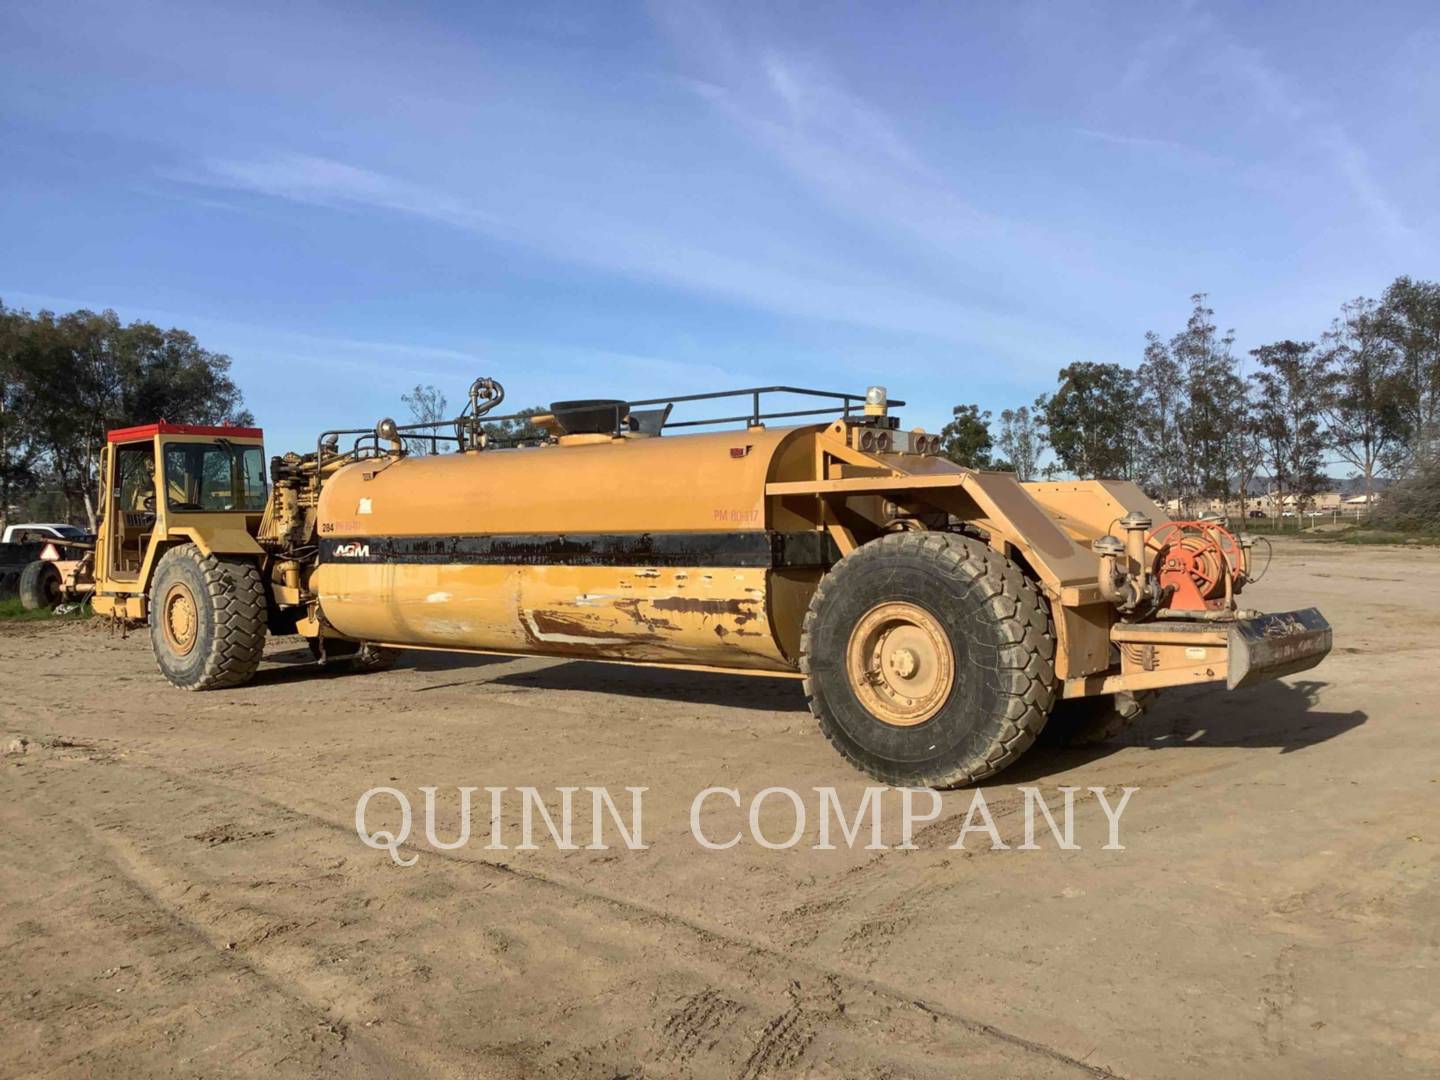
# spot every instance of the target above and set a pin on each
(214, 476)
(135, 477)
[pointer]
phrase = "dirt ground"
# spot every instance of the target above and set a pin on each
(182, 890)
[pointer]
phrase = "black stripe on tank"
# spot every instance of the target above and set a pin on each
(754, 548)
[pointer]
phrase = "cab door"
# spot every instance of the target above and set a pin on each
(130, 510)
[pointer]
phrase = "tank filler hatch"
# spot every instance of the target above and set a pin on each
(606, 416)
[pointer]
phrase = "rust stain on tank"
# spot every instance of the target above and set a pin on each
(650, 622)
(700, 606)
(560, 632)
(553, 622)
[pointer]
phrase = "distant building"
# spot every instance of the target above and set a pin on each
(1270, 504)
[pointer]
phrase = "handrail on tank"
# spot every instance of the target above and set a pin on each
(485, 393)
(848, 403)
(367, 441)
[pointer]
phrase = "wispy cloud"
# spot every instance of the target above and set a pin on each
(1180, 154)
(349, 353)
(1353, 163)
(325, 182)
(1149, 57)
(797, 287)
(819, 110)
(860, 162)
(905, 252)
(844, 147)
(1268, 97)
(1346, 156)
(1139, 142)
(972, 198)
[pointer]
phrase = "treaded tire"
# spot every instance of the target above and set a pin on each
(228, 601)
(359, 655)
(40, 586)
(1003, 643)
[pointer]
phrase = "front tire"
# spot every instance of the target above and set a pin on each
(207, 619)
(928, 659)
(40, 586)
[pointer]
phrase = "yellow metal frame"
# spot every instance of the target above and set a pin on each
(214, 532)
(1019, 525)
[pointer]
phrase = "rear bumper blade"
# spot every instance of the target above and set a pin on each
(1280, 643)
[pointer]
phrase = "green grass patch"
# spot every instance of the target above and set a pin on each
(1342, 533)
(1380, 536)
(12, 609)
(1288, 526)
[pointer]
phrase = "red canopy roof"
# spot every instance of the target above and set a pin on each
(149, 431)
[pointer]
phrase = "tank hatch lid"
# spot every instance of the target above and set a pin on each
(589, 416)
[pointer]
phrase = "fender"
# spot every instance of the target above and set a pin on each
(220, 541)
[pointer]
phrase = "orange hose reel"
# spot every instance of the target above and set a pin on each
(1199, 564)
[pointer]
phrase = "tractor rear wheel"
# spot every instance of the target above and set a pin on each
(40, 586)
(928, 659)
(207, 619)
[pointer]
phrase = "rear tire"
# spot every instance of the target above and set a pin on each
(40, 586)
(207, 619)
(928, 659)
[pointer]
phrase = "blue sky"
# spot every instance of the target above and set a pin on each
(954, 199)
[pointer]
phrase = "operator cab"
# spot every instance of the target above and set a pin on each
(165, 481)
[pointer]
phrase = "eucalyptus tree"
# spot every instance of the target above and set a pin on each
(1289, 385)
(966, 440)
(1365, 392)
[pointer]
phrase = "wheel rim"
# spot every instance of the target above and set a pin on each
(900, 663)
(178, 619)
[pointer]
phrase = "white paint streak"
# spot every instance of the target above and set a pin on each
(447, 627)
(569, 639)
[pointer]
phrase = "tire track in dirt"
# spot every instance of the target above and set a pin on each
(698, 1024)
(874, 903)
(194, 910)
(140, 888)
(781, 1042)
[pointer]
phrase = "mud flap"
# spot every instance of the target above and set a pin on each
(1281, 643)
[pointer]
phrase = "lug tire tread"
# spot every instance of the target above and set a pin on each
(32, 586)
(1017, 610)
(237, 595)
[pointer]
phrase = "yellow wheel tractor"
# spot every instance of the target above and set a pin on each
(938, 615)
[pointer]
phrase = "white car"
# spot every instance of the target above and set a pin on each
(37, 532)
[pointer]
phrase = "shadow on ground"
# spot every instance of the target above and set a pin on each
(1274, 715)
(760, 693)
(296, 665)
(1277, 715)
(692, 687)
